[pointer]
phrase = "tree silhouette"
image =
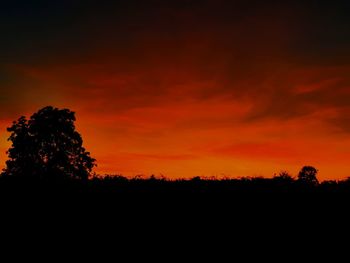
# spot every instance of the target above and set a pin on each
(307, 175)
(47, 145)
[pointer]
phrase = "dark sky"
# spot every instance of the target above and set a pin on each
(256, 83)
(43, 31)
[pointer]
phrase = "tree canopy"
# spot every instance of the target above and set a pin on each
(307, 175)
(47, 145)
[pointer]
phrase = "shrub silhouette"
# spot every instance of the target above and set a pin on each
(283, 177)
(307, 175)
(48, 146)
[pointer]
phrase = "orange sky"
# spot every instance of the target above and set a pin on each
(209, 89)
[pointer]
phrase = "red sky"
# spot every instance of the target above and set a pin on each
(203, 88)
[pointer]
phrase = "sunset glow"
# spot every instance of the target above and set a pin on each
(220, 88)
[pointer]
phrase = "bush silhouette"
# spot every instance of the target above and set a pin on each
(283, 177)
(48, 146)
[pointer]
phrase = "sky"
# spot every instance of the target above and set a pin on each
(186, 88)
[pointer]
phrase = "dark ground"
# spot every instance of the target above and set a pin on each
(159, 219)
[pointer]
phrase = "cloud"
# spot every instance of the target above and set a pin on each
(108, 89)
(305, 92)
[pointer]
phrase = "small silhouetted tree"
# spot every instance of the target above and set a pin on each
(47, 145)
(307, 175)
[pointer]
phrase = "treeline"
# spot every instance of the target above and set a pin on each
(281, 183)
(117, 184)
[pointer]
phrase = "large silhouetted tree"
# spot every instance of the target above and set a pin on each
(47, 145)
(307, 175)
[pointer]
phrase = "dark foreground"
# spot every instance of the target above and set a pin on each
(150, 217)
(196, 195)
